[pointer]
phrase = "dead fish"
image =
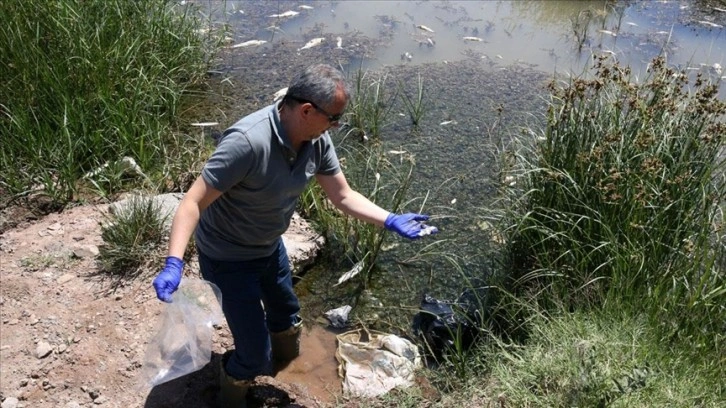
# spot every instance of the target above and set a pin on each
(397, 152)
(430, 42)
(249, 43)
(717, 68)
(351, 273)
(279, 94)
(473, 39)
(447, 122)
(720, 9)
(630, 23)
(286, 14)
(608, 32)
(406, 56)
(204, 124)
(339, 42)
(312, 43)
(423, 27)
(710, 24)
(304, 7)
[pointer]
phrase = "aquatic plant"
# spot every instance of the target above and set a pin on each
(88, 83)
(620, 201)
(373, 175)
(415, 105)
(370, 105)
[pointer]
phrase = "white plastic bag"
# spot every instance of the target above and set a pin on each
(183, 343)
(373, 362)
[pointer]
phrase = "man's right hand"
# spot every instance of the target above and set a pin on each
(169, 278)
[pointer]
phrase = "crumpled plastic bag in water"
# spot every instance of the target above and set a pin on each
(183, 343)
(372, 362)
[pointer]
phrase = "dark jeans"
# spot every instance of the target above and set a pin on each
(246, 287)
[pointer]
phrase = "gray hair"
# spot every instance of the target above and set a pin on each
(318, 84)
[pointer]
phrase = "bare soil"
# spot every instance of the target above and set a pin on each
(69, 338)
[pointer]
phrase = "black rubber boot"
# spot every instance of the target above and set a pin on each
(232, 392)
(286, 344)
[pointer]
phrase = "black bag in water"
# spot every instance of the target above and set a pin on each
(441, 327)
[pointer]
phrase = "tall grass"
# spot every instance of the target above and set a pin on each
(620, 202)
(89, 82)
(382, 181)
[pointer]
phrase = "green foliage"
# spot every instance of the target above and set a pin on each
(370, 105)
(89, 82)
(133, 235)
(598, 360)
(415, 105)
(619, 203)
(383, 182)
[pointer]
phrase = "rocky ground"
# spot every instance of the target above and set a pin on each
(69, 338)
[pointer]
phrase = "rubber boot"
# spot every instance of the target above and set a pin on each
(286, 344)
(232, 392)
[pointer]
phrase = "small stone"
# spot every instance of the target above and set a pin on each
(100, 400)
(43, 349)
(65, 278)
(85, 251)
(10, 402)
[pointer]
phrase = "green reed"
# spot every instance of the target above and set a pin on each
(370, 105)
(89, 82)
(619, 201)
(384, 182)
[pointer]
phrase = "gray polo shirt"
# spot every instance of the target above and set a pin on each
(261, 177)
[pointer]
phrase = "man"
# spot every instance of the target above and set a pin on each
(242, 203)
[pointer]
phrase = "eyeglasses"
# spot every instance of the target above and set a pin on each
(331, 118)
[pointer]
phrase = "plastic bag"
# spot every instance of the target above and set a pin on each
(441, 327)
(183, 343)
(371, 362)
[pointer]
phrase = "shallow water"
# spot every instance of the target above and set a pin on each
(554, 36)
(478, 94)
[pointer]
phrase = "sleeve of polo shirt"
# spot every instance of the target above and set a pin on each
(329, 164)
(230, 163)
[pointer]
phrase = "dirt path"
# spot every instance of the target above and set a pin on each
(66, 340)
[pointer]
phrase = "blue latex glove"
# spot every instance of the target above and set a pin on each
(409, 225)
(167, 281)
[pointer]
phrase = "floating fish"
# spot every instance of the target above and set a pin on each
(304, 7)
(279, 94)
(473, 39)
(717, 68)
(430, 42)
(632, 24)
(608, 32)
(351, 273)
(312, 43)
(423, 27)
(286, 14)
(710, 24)
(339, 42)
(249, 43)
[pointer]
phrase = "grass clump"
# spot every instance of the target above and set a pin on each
(133, 235)
(88, 83)
(622, 201)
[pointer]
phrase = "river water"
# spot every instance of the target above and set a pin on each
(480, 91)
